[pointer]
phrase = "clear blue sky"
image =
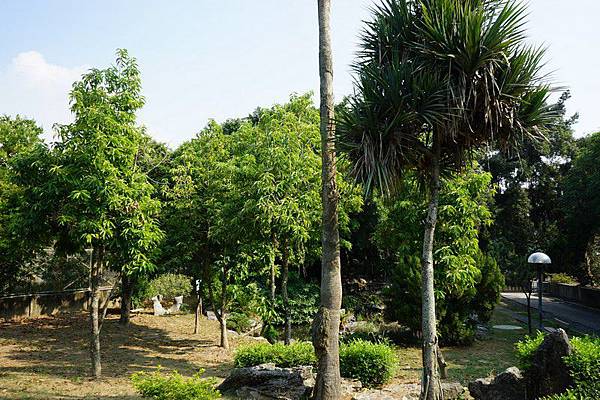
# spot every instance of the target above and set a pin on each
(204, 59)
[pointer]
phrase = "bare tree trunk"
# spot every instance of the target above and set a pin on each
(287, 337)
(430, 384)
(327, 323)
(95, 276)
(198, 311)
(221, 310)
(127, 285)
(224, 336)
(272, 283)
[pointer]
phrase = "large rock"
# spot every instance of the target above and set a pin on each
(548, 373)
(269, 382)
(509, 385)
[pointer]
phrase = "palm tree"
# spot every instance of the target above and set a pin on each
(327, 322)
(436, 80)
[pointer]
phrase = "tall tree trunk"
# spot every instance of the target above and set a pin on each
(95, 277)
(284, 290)
(272, 283)
(224, 336)
(221, 310)
(127, 286)
(198, 312)
(430, 384)
(327, 323)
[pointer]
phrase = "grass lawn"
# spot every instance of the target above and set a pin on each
(48, 358)
(485, 357)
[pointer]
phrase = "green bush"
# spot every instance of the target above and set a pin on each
(371, 363)
(583, 364)
(568, 395)
(169, 286)
(239, 322)
(526, 347)
(158, 386)
(562, 278)
(293, 355)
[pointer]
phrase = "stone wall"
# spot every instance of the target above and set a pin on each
(581, 294)
(17, 307)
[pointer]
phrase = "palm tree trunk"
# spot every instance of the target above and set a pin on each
(127, 285)
(287, 336)
(95, 276)
(430, 383)
(327, 322)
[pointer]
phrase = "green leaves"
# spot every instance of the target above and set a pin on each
(452, 68)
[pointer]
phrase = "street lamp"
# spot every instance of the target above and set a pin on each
(539, 259)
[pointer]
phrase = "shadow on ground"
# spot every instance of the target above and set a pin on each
(58, 347)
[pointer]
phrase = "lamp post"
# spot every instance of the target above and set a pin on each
(539, 259)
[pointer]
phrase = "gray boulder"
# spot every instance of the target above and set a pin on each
(508, 385)
(269, 382)
(548, 373)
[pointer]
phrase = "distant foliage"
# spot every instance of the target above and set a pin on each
(239, 322)
(373, 364)
(293, 355)
(159, 386)
(562, 278)
(169, 286)
(304, 302)
(592, 260)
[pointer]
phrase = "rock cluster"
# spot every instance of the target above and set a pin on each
(547, 375)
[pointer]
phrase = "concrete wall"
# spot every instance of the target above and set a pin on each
(16, 307)
(574, 292)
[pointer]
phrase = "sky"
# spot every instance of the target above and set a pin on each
(220, 59)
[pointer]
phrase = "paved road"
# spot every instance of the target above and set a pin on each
(580, 318)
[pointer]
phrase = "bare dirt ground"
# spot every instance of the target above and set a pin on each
(48, 358)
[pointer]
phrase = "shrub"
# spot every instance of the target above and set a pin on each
(158, 386)
(239, 322)
(526, 348)
(371, 363)
(169, 286)
(584, 366)
(293, 355)
(568, 395)
(562, 278)
(303, 300)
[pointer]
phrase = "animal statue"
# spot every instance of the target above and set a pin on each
(158, 308)
(175, 307)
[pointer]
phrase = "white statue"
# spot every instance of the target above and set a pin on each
(158, 308)
(175, 307)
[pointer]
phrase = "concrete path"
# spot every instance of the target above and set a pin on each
(580, 318)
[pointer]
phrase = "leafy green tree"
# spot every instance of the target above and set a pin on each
(253, 196)
(19, 139)
(529, 213)
(582, 203)
(460, 264)
(108, 204)
(195, 181)
(436, 80)
(154, 160)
